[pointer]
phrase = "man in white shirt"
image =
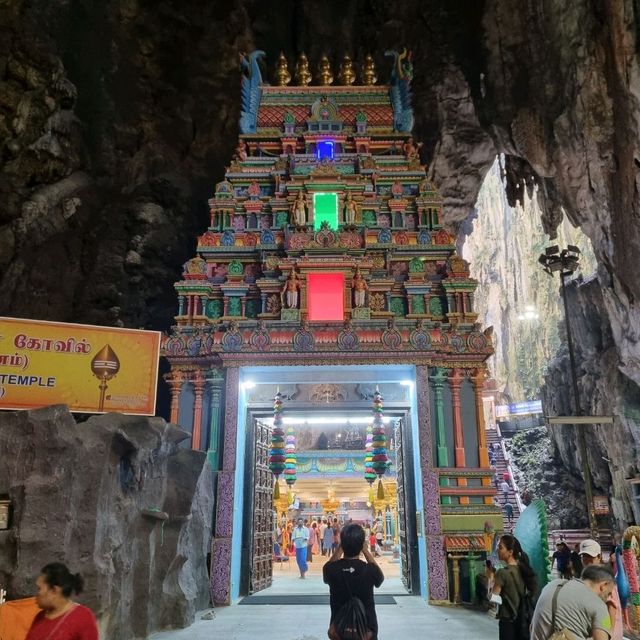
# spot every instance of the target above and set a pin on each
(300, 539)
(580, 606)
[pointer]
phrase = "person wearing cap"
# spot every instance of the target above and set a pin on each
(591, 554)
(579, 606)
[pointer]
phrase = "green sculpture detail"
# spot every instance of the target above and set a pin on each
(436, 308)
(398, 306)
(234, 307)
(416, 266)
(235, 268)
(417, 304)
(213, 308)
(253, 308)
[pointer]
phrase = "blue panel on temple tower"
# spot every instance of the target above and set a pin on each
(325, 149)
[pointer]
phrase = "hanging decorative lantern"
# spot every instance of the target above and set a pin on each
(379, 440)
(369, 473)
(277, 453)
(290, 461)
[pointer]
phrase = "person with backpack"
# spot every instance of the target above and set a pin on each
(351, 582)
(514, 590)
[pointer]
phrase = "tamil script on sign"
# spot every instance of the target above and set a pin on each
(91, 369)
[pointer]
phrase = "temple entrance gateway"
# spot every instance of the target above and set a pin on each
(329, 423)
(326, 264)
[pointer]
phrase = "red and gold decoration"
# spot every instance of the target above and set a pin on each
(380, 462)
(277, 454)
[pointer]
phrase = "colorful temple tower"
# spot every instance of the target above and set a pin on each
(326, 247)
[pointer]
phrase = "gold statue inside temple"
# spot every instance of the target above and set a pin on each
(347, 74)
(283, 77)
(369, 76)
(324, 76)
(303, 75)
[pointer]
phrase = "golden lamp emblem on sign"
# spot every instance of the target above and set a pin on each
(105, 365)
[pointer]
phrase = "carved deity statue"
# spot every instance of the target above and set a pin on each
(347, 75)
(360, 288)
(411, 150)
(369, 76)
(283, 77)
(324, 76)
(303, 75)
(350, 209)
(241, 151)
(289, 293)
(299, 210)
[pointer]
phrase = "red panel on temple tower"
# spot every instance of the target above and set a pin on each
(325, 296)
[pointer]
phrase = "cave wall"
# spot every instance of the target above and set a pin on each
(117, 118)
(116, 499)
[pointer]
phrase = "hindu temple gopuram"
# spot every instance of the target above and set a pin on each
(326, 274)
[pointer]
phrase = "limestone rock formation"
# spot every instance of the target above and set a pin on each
(117, 499)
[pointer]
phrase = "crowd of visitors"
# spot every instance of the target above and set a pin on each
(304, 539)
(582, 602)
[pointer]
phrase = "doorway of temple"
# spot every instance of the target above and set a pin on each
(329, 424)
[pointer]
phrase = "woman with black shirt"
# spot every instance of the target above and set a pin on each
(511, 584)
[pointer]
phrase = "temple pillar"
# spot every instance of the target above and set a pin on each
(455, 382)
(180, 305)
(437, 382)
(451, 303)
(203, 304)
(225, 496)
(436, 557)
(263, 300)
(215, 381)
(478, 378)
(190, 306)
(175, 380)
(198, 390)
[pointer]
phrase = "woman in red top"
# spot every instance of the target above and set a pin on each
(61, 618)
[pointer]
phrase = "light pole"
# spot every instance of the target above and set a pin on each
(565, 262)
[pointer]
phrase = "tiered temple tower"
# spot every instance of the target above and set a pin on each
(326, 246)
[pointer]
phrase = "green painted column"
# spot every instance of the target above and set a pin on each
(438, 380)
(215, 380)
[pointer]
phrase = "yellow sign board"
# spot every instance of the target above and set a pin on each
(90, 369)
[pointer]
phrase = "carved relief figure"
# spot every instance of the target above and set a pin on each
(411, 150)
(350, 209)
(359, 286)
(289, 294)
(299, 210)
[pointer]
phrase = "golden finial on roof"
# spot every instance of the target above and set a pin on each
(324, 76)
(347, 75)
(369, 76)
(303, 75)
(283, 77)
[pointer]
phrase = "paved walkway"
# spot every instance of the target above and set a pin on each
(410, 618)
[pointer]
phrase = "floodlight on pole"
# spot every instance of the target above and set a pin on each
(565, 263)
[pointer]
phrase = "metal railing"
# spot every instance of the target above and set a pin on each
(512, 478)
